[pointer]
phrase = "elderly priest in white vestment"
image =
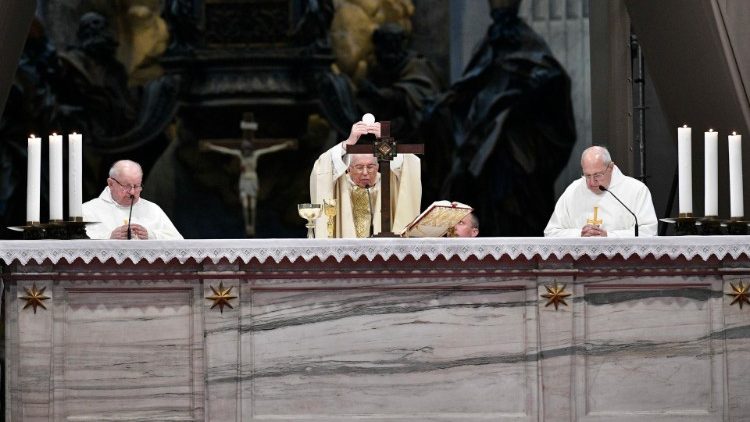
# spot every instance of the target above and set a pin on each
(112, 209)
(349, 178)
(586, 210)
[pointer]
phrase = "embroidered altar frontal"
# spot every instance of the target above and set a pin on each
(378, 329)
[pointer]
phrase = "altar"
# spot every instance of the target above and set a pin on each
(482, 329)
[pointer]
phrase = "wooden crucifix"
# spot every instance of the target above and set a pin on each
(385, 149)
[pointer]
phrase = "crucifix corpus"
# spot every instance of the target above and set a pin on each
(385, 149)
(248, 150)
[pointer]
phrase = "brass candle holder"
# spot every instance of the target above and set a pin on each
(56, 229)
(737, 226)
(685, 224)
(32, 230)
(709, 225)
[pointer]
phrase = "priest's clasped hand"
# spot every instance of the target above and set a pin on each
(592, 230)
(136, 232)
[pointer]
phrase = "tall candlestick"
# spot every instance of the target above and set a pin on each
(55, 178)
(75, 176)
(33, 178)
(685, 169)
(711, 140)
(736, 198)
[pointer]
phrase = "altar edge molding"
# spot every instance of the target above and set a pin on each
(295, 250)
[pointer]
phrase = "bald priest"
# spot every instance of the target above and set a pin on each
(353, 181)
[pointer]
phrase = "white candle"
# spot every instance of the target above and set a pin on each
(33, 178)
(711, 140)
(75, 176)
(55, 177)
(736, 198)
(685, 169)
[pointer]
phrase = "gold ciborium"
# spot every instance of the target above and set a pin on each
(310, 212)
(329, 209)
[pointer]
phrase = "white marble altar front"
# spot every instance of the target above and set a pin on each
(377, 330)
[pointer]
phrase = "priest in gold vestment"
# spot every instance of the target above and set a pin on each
(353, 181)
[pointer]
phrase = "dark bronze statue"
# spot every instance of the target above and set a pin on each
(313, 26)
(182, 18)
(501, 134)
(397, 88)
(115, 117)
(97, 87)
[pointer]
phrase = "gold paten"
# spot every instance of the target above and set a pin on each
(556, 295)
(740, 294)
(35, 297)
(221, 297)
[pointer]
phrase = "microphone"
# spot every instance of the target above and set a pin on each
(603, 189)
(130, 214)
(372, 215)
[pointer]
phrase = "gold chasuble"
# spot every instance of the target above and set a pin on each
(329, 180)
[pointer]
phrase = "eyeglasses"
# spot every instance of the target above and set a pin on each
(361, 168)
(128, 188)
(596, 176)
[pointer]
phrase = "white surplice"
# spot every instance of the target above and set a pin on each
(109, 215)
(576, 206)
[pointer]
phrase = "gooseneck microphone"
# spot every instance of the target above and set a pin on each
(372, 215)
(130, 214)
(635, 229)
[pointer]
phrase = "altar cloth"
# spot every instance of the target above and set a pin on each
(245, 250)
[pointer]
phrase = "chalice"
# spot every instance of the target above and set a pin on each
(329, 209)
(310, 212)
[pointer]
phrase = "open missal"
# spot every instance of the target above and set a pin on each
(437, 219)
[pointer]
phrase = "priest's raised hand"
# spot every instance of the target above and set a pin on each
(361, 128)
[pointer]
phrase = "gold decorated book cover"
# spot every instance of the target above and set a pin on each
(437, 219)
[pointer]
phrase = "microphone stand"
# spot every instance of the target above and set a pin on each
(130, 215)
(635, 229)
